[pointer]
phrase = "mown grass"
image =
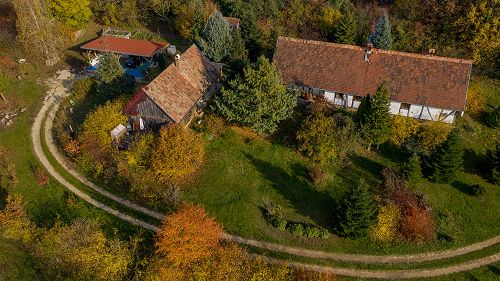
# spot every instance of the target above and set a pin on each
(15, 263)
(242, 173)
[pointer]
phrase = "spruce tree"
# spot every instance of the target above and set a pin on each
(258, 99)
(382, 38)
(447, 159)
(412, 169)
(346, 30)
(357, 211)
(374, 117)
(238, 54)
(109, 68)
(216, 37)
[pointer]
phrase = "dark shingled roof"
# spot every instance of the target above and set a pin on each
(179, 87)
(416, 79)
(134, 47)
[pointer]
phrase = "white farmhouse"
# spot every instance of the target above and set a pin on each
(422, 86)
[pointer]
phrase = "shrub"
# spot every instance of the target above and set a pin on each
(431, 134)
(278, 222)
(72, 149)
(42, 179)
(388, 220)
(214, 125)
(312, 232)
(296, 228)
(402, 128)
(317, 175)
(323, 233)
(412, 170)
(418, 224)
(492, 119)
(477, 189)
(85, 86)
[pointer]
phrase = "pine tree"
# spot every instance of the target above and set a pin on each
(357, 211)
(109, 68)
(216, 37)
(382, 38)
(374, 116)
(494, 161)
(447, 159)
(259, 99)
(238, 54)
(413, 170)
(346, 30)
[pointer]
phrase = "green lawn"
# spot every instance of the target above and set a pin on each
(243, 171)
(15, 263)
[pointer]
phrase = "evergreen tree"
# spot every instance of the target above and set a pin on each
(382, 38)
(413, 170)
(374, 116)
(238, 54)
(494, 161)
(346, 30)
(216, 37)
(259, 99)
(357, 211)
(447, 159)
(109, 68)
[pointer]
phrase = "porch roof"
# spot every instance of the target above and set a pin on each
(133, 47)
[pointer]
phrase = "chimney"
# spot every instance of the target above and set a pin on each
(177, 59)
(368, 52)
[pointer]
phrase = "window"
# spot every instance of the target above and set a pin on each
(339, 96)
(404, 106)
(358, 98)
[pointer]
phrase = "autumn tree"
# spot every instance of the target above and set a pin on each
(216, 37)
(163, 8)
(36, 32)
(326, 137)
(417, 224)
(258, 99)
(327, 19)
(178, 152)
(357, 211)
(447, 159)
(374, 117)
(347, 29)
(480, 31)
(72, 13)
(81, 251)
(430, 135)
(382, 38)
(15, 221)
(402, 128)
(188, 235)
(192, 16)
(388, 220)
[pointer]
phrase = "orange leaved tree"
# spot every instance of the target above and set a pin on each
(188, 235)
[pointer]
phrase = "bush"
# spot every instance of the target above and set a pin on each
(402, 128)
(295, 228)
(42, 179)
(412, 170)
(214, 126)
(278, 222)
(85, 86)
(388, 219)
(431, 134)
(418, 224)
(317, 175)
(312, 232)
(477, 190)
(323, 233)
(492, 119)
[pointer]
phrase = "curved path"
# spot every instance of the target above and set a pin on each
(50, 106)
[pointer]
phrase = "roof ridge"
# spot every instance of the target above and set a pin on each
(381, 51)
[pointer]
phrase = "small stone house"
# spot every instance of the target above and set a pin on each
(177, 94)
(425, 87)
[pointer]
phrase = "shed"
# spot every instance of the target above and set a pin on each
(118, 132)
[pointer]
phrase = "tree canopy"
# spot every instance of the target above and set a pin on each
(216, 37)
(72, 13)
(382, 38)
(109, 68)
(447, 159)
(258, 100)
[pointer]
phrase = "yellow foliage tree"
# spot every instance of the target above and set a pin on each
(15, 220)
(388, 220)
(402, 128)
(81, 251)
(476, 99)
(481, 30)
(431, 134)
(177, 154)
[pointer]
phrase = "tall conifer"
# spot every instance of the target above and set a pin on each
(447, 159)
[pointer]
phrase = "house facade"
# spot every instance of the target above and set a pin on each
(421, 86)
(177, 94)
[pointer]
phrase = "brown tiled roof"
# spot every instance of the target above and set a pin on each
(416, 79)
(126, 46)
(179, 87)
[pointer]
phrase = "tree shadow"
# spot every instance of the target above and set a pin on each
(494, 269)
(369, 167)
(462, 187)
(393, 153)
(3, 198)
(475, 163)
(295, 187)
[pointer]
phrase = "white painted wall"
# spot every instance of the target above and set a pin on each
(395, 108)
(330, 96)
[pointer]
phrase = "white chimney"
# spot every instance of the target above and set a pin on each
(177, 60)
